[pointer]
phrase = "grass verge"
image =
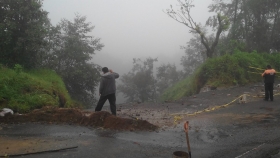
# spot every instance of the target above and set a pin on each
(25, 91)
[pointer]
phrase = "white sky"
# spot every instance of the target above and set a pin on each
(130, 28)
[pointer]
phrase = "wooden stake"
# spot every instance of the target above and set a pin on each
(186, 127)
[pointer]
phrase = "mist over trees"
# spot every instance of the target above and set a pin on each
(194, 55)
(254, 23)
(166, 76)
(28, 38)
(220, 23)
(70, 50)
(239, 25)
(142, 84)
(139, 84)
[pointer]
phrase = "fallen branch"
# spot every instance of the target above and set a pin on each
(39, 152)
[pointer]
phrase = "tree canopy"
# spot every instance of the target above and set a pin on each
(70, 50)
(253, 25)
(27, 38)
(256, 23)
(23, 27)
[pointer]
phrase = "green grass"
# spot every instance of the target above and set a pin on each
(224, 71)
(25, 91)
(185, 87)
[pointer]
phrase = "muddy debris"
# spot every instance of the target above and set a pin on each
(102, 119)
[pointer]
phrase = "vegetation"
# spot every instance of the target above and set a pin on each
(139, 84)
(251, 39)
(219, 58)
(246, 33)
(193, 57)
(25, 91)
(166, 76)
(142, 84)
(220, 23)
(70, 50)
(224, 71)
(23, 26)
(28, 38)
(252, 24)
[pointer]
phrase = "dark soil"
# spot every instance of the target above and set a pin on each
(103, 119)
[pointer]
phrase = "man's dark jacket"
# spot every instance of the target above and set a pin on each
(269, 75)
(108, 83)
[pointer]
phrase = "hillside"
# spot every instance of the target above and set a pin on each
(238, 69)
(25, 91)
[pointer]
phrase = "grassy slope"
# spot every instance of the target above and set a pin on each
(227, 70)
(23, 92)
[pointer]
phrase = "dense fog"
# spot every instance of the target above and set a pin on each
(130, 29)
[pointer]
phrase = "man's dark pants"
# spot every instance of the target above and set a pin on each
(112, 101)
(268, 91)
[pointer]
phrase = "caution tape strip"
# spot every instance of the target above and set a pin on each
(207, 109)
(260, 73)
(256, 68)
(178, 116)
(254, 72)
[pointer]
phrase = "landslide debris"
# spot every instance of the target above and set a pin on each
(103, 119)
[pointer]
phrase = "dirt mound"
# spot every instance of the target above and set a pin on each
(75, 116)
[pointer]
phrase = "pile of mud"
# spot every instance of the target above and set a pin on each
(53, 115)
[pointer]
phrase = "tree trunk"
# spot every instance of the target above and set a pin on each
(273, 28)
(245, 36)
(234, 19)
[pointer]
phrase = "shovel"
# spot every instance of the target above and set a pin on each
(186, 127)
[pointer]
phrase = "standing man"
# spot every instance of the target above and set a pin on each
(268, 76)
(107, 90)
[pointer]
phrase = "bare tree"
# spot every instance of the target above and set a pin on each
(183, 16)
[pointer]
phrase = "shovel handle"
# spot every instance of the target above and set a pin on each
(186, 126)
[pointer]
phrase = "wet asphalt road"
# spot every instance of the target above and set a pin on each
(250, 130)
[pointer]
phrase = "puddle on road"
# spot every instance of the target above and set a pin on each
(105, 133)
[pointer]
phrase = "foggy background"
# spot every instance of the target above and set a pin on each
(131, 29)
